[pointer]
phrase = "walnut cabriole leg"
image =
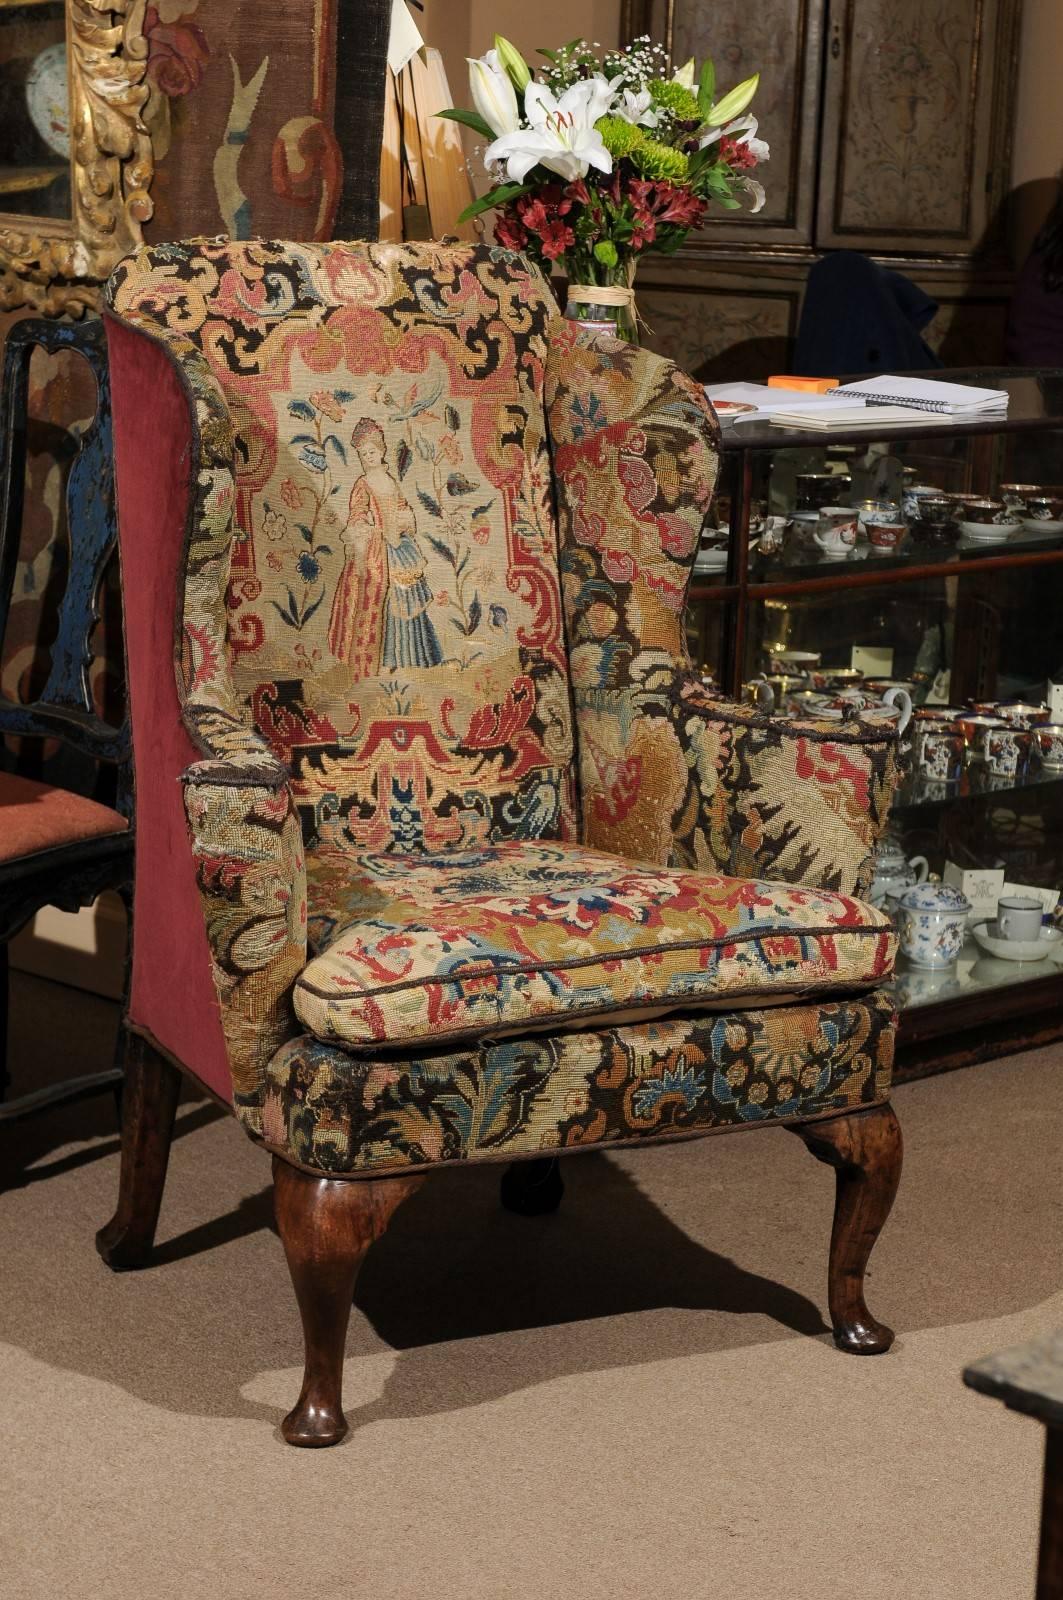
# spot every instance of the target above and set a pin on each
(327, 1226)
(865, 1149)
(149, 1104)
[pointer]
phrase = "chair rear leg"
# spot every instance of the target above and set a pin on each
(865, 1149)
(327, 1226)
(532, 1188)
(149, 1105)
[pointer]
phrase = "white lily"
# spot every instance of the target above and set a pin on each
(742, 129)
(562, 135)
(636, 108)
(493, 94)
(685, 74)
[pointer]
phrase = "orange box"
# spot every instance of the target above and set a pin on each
(810, 385)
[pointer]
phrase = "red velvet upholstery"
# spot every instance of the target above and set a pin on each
(37, 816)
(172, 994)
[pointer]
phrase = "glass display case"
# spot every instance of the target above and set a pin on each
(924, 562)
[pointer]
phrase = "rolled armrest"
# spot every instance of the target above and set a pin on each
(247, 846)
(672, 772)
(803, 802)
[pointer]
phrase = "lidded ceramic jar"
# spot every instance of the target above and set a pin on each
(931, 921)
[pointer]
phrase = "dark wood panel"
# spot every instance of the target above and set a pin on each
(916, 123)
(783, 43)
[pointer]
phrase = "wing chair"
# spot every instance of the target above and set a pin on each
(443, 853)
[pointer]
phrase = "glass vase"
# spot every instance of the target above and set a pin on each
(618, 320)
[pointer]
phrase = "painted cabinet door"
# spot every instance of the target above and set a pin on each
(914, 147)
(783, 41)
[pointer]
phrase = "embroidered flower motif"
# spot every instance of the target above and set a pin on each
(328, 404)
(274, 525)
(308, 567)
(291, 494)
(177, 53)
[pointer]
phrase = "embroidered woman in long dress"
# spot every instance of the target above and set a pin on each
(380, 612)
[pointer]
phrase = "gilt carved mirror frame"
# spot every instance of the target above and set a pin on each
(55, 266)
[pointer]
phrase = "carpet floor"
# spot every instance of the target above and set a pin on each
(635, 1398)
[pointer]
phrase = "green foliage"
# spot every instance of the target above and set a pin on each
(706, 87)
(606, 253)
(471, 119)
(500, 196)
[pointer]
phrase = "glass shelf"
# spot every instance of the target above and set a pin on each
(865, 560)
(972, 973)
(975, 784)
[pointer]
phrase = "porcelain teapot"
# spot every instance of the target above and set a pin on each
(894, 873)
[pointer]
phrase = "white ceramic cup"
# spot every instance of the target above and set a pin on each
(835, 531)
(1019, 917)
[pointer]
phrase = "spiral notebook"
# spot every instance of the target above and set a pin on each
(924, 394)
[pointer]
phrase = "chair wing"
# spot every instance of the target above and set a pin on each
(668, 770)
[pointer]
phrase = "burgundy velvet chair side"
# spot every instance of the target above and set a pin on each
(172, 996)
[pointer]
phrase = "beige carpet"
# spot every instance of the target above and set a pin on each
(634, 1398)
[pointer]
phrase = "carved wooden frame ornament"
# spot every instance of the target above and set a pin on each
(55, 266)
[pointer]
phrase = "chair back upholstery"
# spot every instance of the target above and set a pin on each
(64, 707)
(371, 576)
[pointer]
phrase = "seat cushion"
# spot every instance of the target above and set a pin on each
(414, 950)
(37, 816)
(681, 1076)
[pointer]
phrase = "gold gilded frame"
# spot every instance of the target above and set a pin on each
(54, 266)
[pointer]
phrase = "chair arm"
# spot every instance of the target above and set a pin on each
(247, 846)
(671, 772)
(799, 801)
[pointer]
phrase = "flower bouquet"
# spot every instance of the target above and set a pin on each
(597, 161)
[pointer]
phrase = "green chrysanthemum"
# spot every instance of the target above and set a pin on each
(673, 97)
(660, 161)
(619, 137)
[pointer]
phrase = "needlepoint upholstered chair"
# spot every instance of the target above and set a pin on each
(443, 853)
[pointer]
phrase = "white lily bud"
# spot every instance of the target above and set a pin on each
(733, 104)
(685, 74)
(493, 94)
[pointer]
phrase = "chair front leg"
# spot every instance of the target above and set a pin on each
(150, 1090)
(865, 1149)
(327, 1226)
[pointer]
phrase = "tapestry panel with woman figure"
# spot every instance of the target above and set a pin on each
(380, 610)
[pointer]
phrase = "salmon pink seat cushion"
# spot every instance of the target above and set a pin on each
(37, 816)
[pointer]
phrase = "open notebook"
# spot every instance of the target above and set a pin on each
(924, 394)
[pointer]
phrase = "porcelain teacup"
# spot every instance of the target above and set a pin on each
(938, 751)
(1019, 917)
(1006, 751)
(1017, 495)
(835, 531)
(1048, 738)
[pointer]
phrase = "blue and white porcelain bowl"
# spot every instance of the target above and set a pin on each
(931, 921)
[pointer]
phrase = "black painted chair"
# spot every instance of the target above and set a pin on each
(59, 847)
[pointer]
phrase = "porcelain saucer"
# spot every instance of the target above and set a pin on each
(1035, 525)
(1018, 949)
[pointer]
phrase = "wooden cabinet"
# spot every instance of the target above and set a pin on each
(889, 123)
